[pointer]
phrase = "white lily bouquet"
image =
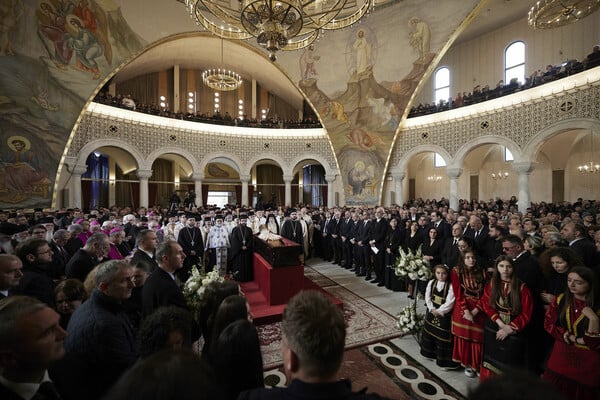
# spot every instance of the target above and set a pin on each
(413, 265)
(408, 321)
(194, 287)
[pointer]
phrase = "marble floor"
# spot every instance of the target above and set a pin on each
(392, 303)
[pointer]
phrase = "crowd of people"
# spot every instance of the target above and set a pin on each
(511, 289)
(127, 102)
(536, 78)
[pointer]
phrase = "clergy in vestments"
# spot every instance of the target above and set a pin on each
(292, 230)
(190, 240)
(217, 243)
(241, 251)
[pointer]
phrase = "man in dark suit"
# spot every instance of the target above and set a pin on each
(364, 250)
(450, 250)
(36, 282)
(11, 272)
(379, 229)
(478, 232)
(326, 237)
(60, 256)
(443, 228)
(576, 234)
(85, 259)
(147, 242)
(31, 339)
(160, 288)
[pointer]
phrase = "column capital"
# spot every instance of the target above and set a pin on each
(399, 176)
(523, 167)
(454, 172)
(330, 177)
(245, 178)
(288, 178)
(79, 169)
(144, 173)
(197, 176)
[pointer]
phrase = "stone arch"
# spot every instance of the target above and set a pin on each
(166, 150)
(211, 156)
(316, 157)
(285, 167)
(462, 152)
(107, 142)
(403, 162)
(538, 140)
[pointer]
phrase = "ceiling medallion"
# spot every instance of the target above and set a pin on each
(276, 25)
(546, 14)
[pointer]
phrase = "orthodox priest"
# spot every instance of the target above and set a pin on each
(292, 230)
(190, 240)
(241, 250)
(217, 244)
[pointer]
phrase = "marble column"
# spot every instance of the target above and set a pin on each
(523, 168)
(197, 177)
(144, 175)
(287, 179)
(399, 187)
(454, 173)
(245, 181)
(75, 198)
(330, 194)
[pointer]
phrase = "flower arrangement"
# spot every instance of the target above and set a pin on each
(408, 321)
(194, 287)
(413, 265)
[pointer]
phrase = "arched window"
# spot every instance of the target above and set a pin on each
(514, 62)
(442, 85)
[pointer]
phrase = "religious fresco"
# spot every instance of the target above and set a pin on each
(383, 60)
(53, 55)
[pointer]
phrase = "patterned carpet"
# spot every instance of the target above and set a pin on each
(385, 369)
(365, 322)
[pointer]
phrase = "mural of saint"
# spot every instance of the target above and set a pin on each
(52, 26)
(21, 169)
(307, 63)
(420, 37)
(362, 49)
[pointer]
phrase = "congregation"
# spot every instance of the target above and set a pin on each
(127, 102)
(536, 78)
(511, 289)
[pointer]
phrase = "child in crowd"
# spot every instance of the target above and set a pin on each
(436, 342)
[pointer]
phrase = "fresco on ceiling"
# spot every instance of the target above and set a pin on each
(53, 54)
(360, 89)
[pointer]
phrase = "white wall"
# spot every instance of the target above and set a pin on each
(481, 61)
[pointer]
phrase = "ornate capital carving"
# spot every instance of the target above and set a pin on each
(197, 176)
(144, 173)
(79, 169)
(245, 178)
(330, 177)
(453, 172)
(288, 178)
(523, 167)
(399, 176)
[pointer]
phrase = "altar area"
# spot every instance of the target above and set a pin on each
(278, 276)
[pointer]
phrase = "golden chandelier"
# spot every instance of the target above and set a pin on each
(276, 24)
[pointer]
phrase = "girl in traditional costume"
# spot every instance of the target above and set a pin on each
(573, 321)
(468, 281)
(508, 304)
(436, 342)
